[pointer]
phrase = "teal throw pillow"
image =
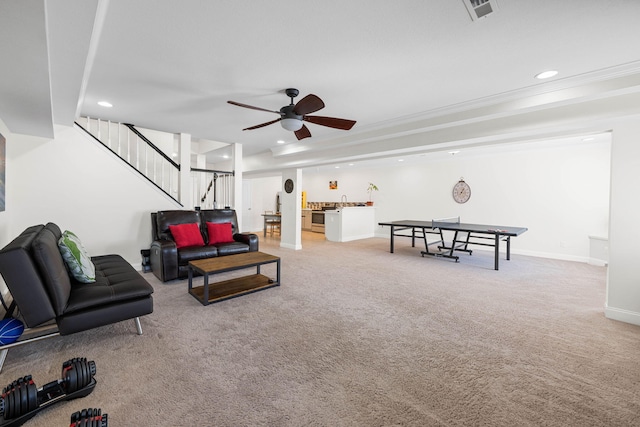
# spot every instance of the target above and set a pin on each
(76, 258)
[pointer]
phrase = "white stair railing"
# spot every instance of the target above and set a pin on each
(211, 189)
(140, 153)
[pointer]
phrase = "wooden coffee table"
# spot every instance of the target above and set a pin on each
(225, 289)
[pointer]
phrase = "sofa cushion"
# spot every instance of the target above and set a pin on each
(219, 216)
(219, 232)
(76, 257)
(52, 267)
(186, 235)
(232, 248)
(192, 253)
(174, 217)
(116, 281)
(22, 276)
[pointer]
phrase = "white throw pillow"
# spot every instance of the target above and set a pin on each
(77, 258)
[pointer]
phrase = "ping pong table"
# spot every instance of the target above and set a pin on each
(463, 236)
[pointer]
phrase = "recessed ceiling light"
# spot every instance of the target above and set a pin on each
(350, 164)
(280, 141)
(454, 152)
(546, 74)
(337, 167)
(105, 104)
(401, 160)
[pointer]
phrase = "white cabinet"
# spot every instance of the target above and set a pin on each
(350, 223)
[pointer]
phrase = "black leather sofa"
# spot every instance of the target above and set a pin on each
(46, 294)
(168, 262)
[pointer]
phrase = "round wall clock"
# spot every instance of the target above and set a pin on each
(288, 185)
(461, 191)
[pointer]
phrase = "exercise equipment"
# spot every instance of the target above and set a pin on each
(10, 330)
(21, 400)
(89, 418)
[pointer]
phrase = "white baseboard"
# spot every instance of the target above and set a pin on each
(550, 255)
(622, 315)
(288, 246)
(357, 237)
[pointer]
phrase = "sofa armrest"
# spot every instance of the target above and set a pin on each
(249, 239)
(164, 259)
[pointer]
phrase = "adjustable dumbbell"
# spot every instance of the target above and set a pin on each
(21, 400)
(77, 373)
(19, 397)
(89, 418)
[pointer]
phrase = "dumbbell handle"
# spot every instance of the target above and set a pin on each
(50, 391)
(89, 418)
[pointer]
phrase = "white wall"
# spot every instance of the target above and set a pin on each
(73, 181)
(166, 142)
(559, 190)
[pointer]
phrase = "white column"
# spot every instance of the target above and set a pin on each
(291, 209)
(623, 281)
(201, 183)
(184, 158)
(237, 182)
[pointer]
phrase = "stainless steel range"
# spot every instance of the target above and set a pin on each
(317, 219)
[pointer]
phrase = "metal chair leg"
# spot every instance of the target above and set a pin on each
(138, 325)
(3, 356)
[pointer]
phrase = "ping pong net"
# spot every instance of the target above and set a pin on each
(443, 222)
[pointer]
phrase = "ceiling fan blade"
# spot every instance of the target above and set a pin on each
(252, 107)
(263, 124)
(331, 122)
(309, 104)
(302, 133)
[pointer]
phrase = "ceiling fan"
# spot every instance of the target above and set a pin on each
(292, 115)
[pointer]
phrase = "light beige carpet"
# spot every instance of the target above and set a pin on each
(356, 336)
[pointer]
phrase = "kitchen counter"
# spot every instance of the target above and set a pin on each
(350, 223)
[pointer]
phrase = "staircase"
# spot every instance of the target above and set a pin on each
(210, 189)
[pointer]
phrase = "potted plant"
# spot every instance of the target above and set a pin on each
(371, 188)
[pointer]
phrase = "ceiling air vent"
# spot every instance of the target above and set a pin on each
(480, 8)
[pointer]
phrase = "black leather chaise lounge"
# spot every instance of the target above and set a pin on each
(49, 298)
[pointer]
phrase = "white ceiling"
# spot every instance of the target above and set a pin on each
(416, 75)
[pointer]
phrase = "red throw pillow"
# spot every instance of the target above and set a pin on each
(186, 235)
(219, 233)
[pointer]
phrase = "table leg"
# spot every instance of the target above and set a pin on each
(264, 226)
(413, 237)
(497, 255)
(190, 278)
(206, 289)
(453, 244)
(278, 271)
(508, 248)
(392, 234)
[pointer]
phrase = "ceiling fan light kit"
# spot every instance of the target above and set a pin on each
(291, 124)
(293, 115)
